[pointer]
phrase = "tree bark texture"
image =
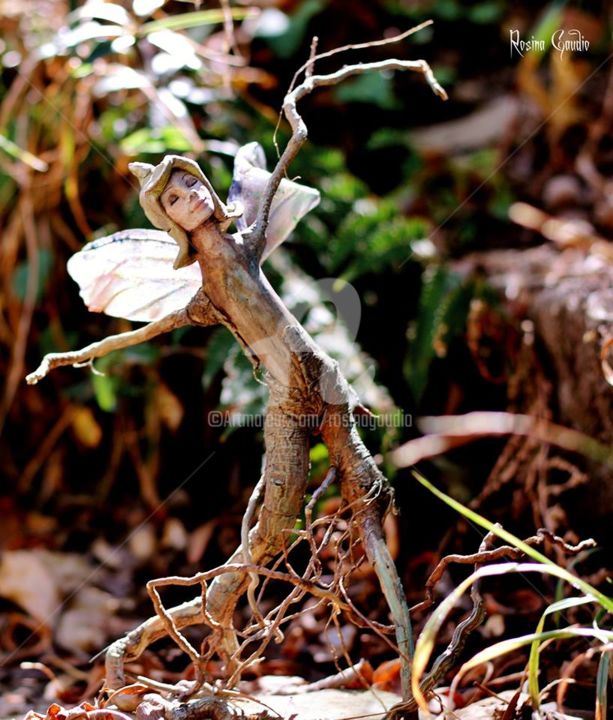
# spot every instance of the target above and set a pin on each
(568, 294)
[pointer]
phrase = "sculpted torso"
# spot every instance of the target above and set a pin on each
(233, 283)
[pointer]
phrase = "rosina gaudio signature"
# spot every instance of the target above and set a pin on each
(562, 40)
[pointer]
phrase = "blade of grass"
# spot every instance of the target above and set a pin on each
(508, 537)
(533, 661)
(426, 641)
(448, 431)
(10, 148)
(602, 677)
(506, 646)
(193, 19)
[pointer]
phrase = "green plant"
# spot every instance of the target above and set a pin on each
(543, 565)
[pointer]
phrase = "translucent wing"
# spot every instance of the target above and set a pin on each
(130, 275)
(291, 203)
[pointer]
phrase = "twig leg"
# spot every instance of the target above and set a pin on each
(285, 476)
(379, 555)
(362, 483)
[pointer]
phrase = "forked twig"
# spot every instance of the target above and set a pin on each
(299, 128)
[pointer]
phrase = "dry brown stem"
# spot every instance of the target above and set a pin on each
(452, 430)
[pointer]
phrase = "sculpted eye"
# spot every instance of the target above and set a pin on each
(173, 199)
(190, 180)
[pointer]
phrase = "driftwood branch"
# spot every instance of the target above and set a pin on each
(304, 384)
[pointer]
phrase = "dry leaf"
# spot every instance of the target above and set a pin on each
(169, 406)
(85, 427)
(28, 581)
(326, 704)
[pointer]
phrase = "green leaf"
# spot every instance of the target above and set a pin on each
(445, 74)
(83, 70)
(158, 141)
(484, 13)
(342, 186)
(448, 10)
(100, 49)
(319, 453)
(374, 237)
(192, 19)
(386, 137)
(22, 272)
(105, 391)
(109, 382)
(319, 458)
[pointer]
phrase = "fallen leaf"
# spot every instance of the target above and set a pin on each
(85, 626)
(387, 675)
(325, 704)
(169, 406)
(28, 581)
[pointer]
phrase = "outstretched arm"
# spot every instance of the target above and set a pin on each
(98, 349)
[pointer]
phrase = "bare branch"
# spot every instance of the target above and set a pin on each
(313, 58)
(300, 131)
(109, 344)
(310, 64)
(247, 568)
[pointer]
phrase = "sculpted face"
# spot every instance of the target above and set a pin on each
(186, 200)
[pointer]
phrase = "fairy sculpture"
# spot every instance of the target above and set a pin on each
(218, 279)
